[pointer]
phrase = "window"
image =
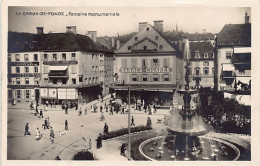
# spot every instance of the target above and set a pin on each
(54, 81)
(54, 56)
(80, 78)
(27, 81)
(64, 81)
(156, 37)
(205, 63)
(145, 77)
(26, 69)
(97, 79)
(18, 92)
(17, 57)
(73, 80)
(206, 55)
(144, 65)
(129, 47)
(73, 56)
(35, 57)
(36, 82)
(35, 69)
(213, 70)
(26, 57)
(93, 56)
(89, 81)
(147, 29)
(45, 57)
(18, 81)
(31, 45)
(9, 57)
(93, 68)
(155, 62)
(46, 80)
(136, 38)
(96, 69)
(228, 55)
(27, 94)
(197, 54)
(63, 56)
(86, 80)
(134, 77)
(206, 71)
(155, 77)
(93, 80)
(145, 47)
(160, 47)
(166, 77)
(197, 71)
(17, 69)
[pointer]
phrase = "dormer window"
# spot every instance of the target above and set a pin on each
(129, 47)
(197, 55)
(147, 29)
(136, 38)
(144, 47)
(206, 55)
(31, 45)
(156, 37)
(160, 47)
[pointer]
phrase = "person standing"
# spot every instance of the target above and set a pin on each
(38, 134)
(41, 114)
(101, 108)
(111, 110)
(80, 112)
(76, 105)
(133, 121)
(36, 109)
(66, 125)
(52, 135)
(105, 128)
(27, 129)
(48, 122)
(86, 110)
(45, 125)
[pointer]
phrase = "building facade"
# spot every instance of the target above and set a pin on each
(149, 65)
(233, 57)
(68, 66)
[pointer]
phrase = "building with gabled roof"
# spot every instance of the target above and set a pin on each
(233, 58)
(150, 65)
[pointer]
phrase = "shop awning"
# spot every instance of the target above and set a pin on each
(242, 50)
(228, 67)
(244, 80)
(58, 68)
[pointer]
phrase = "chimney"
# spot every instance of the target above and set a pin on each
(246, 18)
(113, 42)
(158, 24)
(93, 35)
(118, 44)
(142, 25)
(39, 30)
(71, 29)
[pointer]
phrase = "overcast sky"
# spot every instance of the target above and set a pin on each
(189, 19)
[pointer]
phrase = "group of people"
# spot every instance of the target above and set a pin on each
(146, 107)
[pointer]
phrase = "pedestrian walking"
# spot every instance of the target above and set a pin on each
(111, 110)
(66, 125)
(86, 111)
(106, 107)
(26, 132)
(133, 121)
(80, 112)
(45, 124)
(41, 114)
(101, 108)
(36, 110)
(38, 134)
(99, 141)
(76, 105)
(105, 128)
(66, 108)
(48, 122)
(52, 135)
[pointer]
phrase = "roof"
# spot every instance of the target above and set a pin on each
(202, 47)
(235, 34)
(191, 37)
(27, 42)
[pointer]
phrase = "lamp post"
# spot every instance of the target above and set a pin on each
(129, 130)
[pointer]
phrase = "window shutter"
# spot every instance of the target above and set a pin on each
(151, 63)
(158, 62)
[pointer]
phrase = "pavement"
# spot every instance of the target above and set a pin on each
(81, 129)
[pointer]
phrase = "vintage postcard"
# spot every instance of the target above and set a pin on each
(173, 82)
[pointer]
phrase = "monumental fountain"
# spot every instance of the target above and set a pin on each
(186, 139)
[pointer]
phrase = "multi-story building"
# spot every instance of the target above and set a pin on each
(71, 66)
(233, 56)
(201, 64)
(149, 65)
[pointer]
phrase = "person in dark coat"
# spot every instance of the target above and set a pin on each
(66, 125)
(123, 149)
(105, 128)
(133, 121)
(27, 129)
(99, 141)
(41, 114)
(101, 108)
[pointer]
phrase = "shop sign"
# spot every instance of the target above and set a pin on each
(25, 75)
(52, 93)
(44, 92)
(71, 93)
(23, 63)
(62, 93)
(146, 70)
(60, 62)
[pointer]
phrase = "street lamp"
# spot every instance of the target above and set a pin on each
(129, 130)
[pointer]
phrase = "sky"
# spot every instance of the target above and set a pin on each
(188, 19)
